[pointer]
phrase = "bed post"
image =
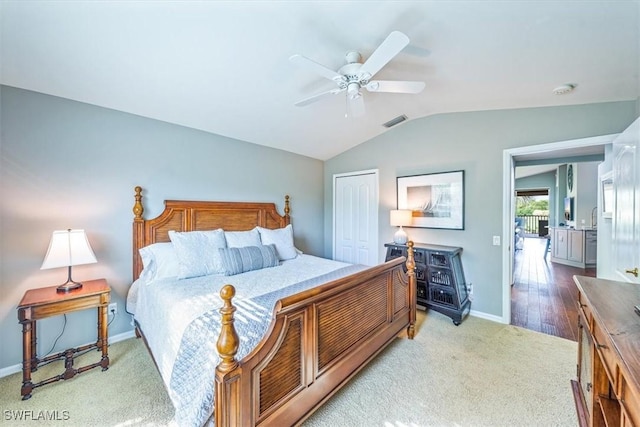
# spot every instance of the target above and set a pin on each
(227, 383)
(411, 273)
(138, 232)
(287, 209)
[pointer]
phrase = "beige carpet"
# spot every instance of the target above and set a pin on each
(477, 374)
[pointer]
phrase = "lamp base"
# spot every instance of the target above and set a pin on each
(400, 238)
(68, 287)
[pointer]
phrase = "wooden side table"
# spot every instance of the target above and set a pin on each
(40, 303)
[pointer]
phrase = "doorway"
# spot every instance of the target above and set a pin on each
(543, 152)
(532, 211)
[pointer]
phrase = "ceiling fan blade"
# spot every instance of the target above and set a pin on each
(390, 47)
(316, 97)
(313, 66)
(355, 106)
(395, 86)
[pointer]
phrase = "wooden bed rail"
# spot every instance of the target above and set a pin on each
(238, 391)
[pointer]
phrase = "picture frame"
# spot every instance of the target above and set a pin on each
(436, 199)
(606, 188)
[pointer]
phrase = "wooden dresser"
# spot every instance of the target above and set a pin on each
(607, 390)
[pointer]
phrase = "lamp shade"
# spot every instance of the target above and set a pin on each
(400, 217)
(67, 248)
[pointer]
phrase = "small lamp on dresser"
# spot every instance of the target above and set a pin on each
(400, 217)
(66, 249)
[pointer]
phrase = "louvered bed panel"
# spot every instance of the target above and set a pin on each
(227, 219)
(283, 374)
(344, 320)
(160, 230)
(400, 297)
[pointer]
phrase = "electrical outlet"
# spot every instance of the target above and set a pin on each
(113, 308)
(496, 240)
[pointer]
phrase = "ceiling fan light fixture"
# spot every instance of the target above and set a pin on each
(353, 90)
(565, 88)
(352, 57)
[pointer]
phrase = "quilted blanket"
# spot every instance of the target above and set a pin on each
(181, 322)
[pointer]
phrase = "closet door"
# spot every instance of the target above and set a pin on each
(626, 217)
(356, 218)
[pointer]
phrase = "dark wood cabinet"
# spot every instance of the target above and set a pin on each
(607, 388)
(441, 284)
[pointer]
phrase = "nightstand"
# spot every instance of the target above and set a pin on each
(41, 303)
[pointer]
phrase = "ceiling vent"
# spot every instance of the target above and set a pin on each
(395, 121)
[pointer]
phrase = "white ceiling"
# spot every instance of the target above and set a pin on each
(525, 171)
(222, 66)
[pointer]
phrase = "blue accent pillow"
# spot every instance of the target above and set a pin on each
(248, 258)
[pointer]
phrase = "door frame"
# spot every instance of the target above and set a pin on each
(376, 201)
(508, 191)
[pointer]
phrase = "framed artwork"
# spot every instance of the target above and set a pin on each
(436, 199)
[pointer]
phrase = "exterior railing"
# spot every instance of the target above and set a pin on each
(535, 224)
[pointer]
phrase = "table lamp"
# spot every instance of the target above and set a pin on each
(66, 249)
(400, 217)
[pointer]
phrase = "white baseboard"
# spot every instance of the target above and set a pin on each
(486, 316)
(480, 314)
(9, 370)
(123, 336)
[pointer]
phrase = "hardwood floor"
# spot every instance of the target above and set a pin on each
(543, 296)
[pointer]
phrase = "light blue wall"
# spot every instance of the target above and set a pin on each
(473, 142)
(586, 193)
(65, 164)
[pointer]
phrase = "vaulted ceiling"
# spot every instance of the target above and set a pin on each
(223, 66)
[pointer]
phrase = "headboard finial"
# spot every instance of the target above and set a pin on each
(137, 207)
(287, 208)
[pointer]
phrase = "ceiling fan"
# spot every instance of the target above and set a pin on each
(353, 76)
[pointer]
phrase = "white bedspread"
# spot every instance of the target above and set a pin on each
(165, 308)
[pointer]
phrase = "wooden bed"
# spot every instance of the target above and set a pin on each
(318, 339)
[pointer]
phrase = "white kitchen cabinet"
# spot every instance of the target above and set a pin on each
(574, 247)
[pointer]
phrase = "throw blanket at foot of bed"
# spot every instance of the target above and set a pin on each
(316, 342)
(190, 387)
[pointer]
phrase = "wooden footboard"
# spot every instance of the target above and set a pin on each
(317, 341)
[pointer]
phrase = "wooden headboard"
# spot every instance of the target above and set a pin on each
(182, 215)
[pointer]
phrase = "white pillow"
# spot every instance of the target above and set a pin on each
(197, 252)
(240, 239)
(282, 238)
(158, 261)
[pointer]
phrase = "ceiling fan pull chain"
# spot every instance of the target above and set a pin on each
(346, 107)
